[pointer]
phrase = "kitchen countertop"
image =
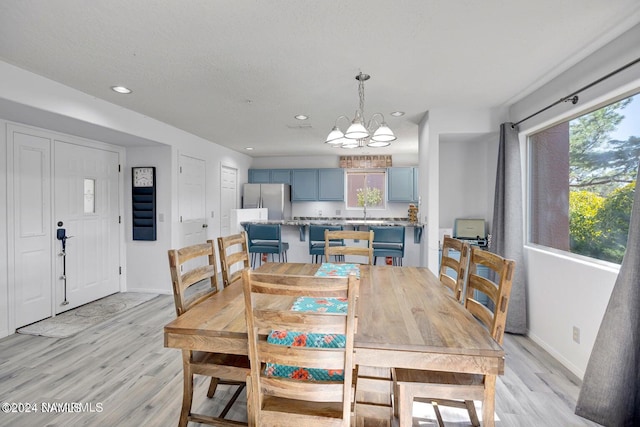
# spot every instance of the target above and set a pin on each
(303, 222)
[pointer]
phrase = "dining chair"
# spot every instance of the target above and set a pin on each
(301, 357)
(453, 265)
(352, 249)
(455, 388)
(388, 242)
(266, 239)
(194, 267)
(234, 257)
(316, 240)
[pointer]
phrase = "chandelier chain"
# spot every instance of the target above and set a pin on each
(361, 93)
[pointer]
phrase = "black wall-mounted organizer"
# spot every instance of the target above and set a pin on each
(143, 199)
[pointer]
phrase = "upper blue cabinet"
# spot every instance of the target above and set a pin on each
(281, 176)
(270, 176)
(307, 185)
(304, 185)
(331, 184)
(402, 184)
(259, 176)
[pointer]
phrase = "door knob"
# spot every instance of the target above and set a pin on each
(205, 225)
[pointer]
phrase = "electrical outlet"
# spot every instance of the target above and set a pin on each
(576, 334)
(338, 212)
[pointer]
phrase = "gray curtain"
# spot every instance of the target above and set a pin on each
(610, 393)
(507, 227)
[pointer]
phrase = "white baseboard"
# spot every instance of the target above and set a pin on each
(566, 363)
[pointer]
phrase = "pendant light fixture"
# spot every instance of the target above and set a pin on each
(374, 134)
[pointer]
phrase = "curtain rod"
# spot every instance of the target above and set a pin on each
(574, 96)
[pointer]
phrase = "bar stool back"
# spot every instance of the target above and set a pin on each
(316, 240)
(266, 239)
(388, 241)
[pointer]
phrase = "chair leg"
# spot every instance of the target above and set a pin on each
(187, 393)
(212, 387)
(405, 407)
(473, 415)
(251, 404)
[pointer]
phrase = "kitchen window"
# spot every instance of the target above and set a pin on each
(582, 181)
(366, 189)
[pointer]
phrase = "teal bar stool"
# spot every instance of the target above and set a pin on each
(388, 242)
(266, 239)
(316, 241)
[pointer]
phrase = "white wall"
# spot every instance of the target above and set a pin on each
(147, 268)
(466, 189)
(566, 290)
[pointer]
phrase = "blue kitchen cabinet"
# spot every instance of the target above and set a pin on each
(270, 176)
(331, 184)
(304, 185)
(281, 176)
(402, 184)
(259, 176)
(416, 193)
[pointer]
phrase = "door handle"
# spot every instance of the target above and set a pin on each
(205, 225)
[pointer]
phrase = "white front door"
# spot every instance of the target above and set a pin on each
(191, 201)
(86, 206)
(31, 257)
(228, 197)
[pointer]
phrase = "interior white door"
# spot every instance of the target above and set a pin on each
(31, 271)
(87, 206)
(228, 197)
(191, 201)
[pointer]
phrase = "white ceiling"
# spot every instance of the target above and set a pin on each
(235, 72)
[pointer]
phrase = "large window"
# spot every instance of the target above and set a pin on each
(366, 189)
(582, 181)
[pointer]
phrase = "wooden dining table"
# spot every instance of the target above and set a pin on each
(406, 319)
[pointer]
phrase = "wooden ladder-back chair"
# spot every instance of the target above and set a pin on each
(461, 389)
(233, 255)
(234, 369)
(301, 358)
(349, 249)
(456, 263)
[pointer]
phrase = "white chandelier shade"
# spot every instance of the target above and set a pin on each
(374, 134)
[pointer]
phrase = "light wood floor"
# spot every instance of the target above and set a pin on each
(121, 369)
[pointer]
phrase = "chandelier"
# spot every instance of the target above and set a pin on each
(374, 134)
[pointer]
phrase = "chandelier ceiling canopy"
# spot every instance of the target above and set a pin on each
(375, 133)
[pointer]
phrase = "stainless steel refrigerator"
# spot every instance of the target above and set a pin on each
(275, 197)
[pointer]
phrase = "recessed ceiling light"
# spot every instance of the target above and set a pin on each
(301, 117)
(248, 148)
(121, 89)
(397, 113)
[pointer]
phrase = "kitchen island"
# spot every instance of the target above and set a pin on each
(295, 232)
